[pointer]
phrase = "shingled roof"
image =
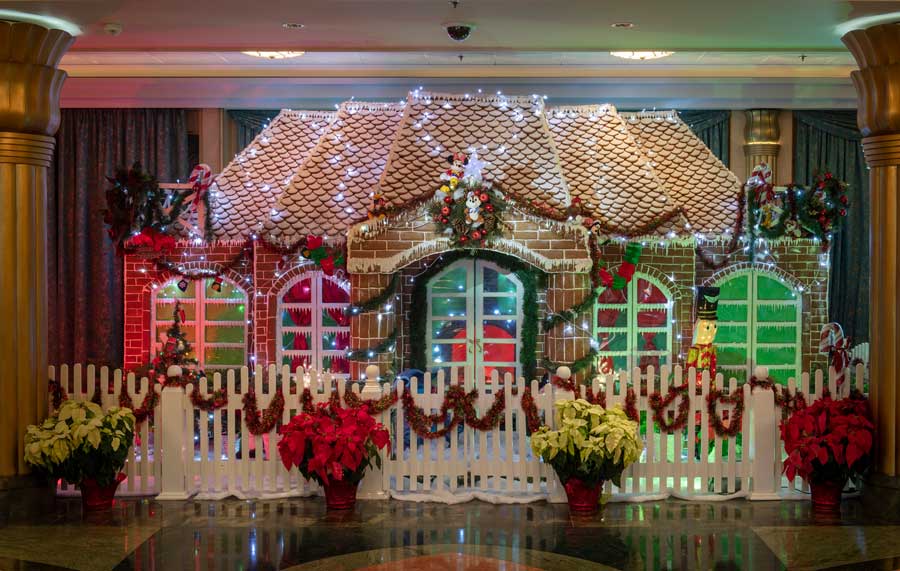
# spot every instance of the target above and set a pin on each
(607, 170)
(333, 187)
(245, 191)
(315, 173)
(693, 175)
(509, 133)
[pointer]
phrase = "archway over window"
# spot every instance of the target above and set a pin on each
(760, 323)
(633, 326)
(215, 320)
(313, 324)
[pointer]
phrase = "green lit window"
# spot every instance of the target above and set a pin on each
(759, 324)
(215, 321)
(633, 326)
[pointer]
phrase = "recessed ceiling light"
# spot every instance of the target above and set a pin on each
(292, 25)
(641, 55)
(274, 55)
(622, 25)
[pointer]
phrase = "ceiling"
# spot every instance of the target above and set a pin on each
(725, 48)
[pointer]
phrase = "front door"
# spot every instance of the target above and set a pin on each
(474, 321)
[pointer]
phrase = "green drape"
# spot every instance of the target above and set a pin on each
(250, 122)
(711, 127)
(85, 276)
(830, 140)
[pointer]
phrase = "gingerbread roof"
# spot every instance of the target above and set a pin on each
(693, 175)
(607, 170)
(315, 173)
(244, 193)
(333, 187)
(510, 134)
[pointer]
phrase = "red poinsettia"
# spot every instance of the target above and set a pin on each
(830, 440)
(332, 443)
(152, 238)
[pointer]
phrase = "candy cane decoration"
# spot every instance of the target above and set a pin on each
(201, 179)
(833, 343)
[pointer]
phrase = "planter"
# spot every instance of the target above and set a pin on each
(583, 498)
(97, 498)
(340, 494)
(826, 496)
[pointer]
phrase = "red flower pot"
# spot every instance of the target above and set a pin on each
(583, 498)
(95, 497)
(340, 494)
(826, 496)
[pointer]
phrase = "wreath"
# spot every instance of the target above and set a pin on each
(736, 421)
(823, 210)
(469, 211)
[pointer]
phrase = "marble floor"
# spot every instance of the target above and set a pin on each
(44, 533)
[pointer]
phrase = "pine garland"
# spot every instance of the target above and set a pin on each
(377, 301)
(369, 353)
(576, 366)
(571, 314)
(262, 424)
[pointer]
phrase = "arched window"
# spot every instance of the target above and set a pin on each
(633, 326)
(218, 312)
(759, 324)
(313, 324)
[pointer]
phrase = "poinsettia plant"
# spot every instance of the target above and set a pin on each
(332, 443)
(830, 440)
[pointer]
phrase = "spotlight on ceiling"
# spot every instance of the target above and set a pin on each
(292, 26)
(273, 55)
(641, 55)
(622, 25)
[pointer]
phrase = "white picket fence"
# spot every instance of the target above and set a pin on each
(186, 452)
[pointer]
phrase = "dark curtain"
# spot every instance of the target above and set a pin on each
(830, 140)
(712, 128)
(84, 274)
(250, 123)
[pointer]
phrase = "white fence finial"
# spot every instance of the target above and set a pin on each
(564, 373)
(372, 388)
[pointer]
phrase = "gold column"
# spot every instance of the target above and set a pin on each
(877, 52)
(761, 139)
(30, 85)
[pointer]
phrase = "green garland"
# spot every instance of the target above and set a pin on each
(369, 353)
(577, 366)
(531, 279)
(377, 300)
(571, 314)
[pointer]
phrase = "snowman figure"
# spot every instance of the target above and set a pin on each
(473, 210)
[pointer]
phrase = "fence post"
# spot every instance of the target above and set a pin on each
(764, 484)
(170, 447)
(372, 485)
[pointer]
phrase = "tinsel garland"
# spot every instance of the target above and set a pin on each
(377, 301)
(375, 406)
(529, 407)
(631, 410)
(644, 230)
(576, 366)
(143, 412)
(463, 408)
(531, 278)
(787, 402)
(217, 400)
(736, 422)
(262, 424)
(58, 394)
(660, 405)
(369, 353)
(532, 417)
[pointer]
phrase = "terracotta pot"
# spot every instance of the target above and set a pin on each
(826, 496)
(340, 494)
(95, 497)
(583, 498)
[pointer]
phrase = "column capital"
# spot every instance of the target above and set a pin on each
(762, 127)
(30, 82)
(877, 82)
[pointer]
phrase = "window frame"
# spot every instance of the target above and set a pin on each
(631, 329)
(316, 329)
(199, 323)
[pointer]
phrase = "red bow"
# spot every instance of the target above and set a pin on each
(313, 242)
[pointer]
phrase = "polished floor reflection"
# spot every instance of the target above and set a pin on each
(43, 533)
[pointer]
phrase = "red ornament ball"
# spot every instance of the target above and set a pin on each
(484, 197)
(463, 238)
(843, 212)
(448, 200)
(827, 175)
(445, 210)
(489, 207)
(445, 220)
(476, 235)
(844, 200)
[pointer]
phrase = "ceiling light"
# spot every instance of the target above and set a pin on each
(274, 55)
(641, 55)
(292, 26)
(622, 25)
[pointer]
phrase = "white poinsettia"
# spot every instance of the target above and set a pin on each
(590, 442)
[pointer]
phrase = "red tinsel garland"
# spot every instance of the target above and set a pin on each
(143, 412)
(529, 407)
(217, 400)
(463, 406)
(788, 403)
(631, 410)
(375, 406)
(58, 394)
(737, 419)
(660, 404)
(262, 424)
